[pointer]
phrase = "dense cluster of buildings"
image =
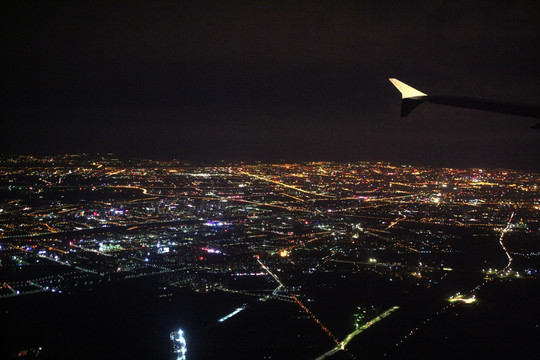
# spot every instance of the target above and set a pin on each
(78, 220)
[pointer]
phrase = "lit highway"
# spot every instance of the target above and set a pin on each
(504, 231)
(342, 345)
(286, 185)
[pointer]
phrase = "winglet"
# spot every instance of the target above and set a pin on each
(406, 91)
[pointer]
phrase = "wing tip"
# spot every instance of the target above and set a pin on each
(406, 91)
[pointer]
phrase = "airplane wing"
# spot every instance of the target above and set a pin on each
(411, 98)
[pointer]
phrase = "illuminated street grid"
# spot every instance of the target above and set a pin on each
(76, 221)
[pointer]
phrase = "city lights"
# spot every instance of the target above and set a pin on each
(323, 237)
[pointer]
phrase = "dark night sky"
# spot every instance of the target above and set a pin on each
(269, 80)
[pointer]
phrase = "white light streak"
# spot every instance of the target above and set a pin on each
(227, 317)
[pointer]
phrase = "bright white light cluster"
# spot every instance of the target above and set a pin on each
(179, 344)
